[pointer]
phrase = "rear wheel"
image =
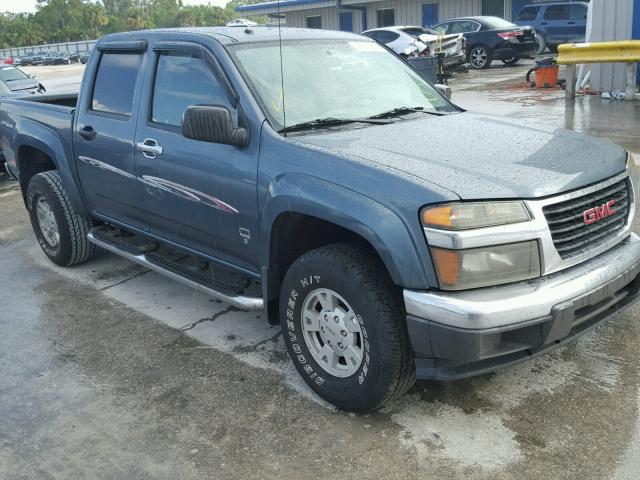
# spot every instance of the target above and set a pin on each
(510, 61)
(61, 232)
(480, 57)
(344, 327)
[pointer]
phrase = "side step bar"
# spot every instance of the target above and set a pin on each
(239, 301)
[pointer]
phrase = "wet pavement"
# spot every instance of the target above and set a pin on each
(110, 371)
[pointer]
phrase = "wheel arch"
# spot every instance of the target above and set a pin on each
(304, 213)
(41, 151)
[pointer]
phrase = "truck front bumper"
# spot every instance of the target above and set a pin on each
(461, 334)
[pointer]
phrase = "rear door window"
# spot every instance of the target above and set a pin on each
(441, 28)
(115, 83)
(463, 27)
(557, 12)
(528, 14)
(183, 80)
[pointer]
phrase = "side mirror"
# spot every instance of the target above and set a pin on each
(444, 90)
(212, 123)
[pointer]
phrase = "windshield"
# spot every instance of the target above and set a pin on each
(497, 22)
(332, 79)
(8, 74)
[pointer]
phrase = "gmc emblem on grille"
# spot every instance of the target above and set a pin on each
(598, 213)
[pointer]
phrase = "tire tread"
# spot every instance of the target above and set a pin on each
(370, 271)
(78, 226)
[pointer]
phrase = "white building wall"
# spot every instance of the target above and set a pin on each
(407, 12)
(612, 20)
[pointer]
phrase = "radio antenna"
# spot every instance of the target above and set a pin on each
(284, 112)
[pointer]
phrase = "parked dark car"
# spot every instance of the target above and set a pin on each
(492, 38)
(83, 57)
(63, 58)
(36, 59)
(555, 22)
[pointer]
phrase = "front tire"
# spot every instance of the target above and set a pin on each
(480, 57)
(344, 326)
(60, 231)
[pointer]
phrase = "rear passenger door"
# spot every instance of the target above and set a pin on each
(200, 195)
(104, 133)
(555, 22)
(578, 22)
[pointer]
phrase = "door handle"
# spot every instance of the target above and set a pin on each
(88, 133)
(543, 23)
(571, 23)
(149, 148)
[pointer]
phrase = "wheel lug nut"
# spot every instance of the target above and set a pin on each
(336, 319)
(343, 332)
(339, 345)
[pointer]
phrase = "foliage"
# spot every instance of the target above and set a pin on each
(73, 20)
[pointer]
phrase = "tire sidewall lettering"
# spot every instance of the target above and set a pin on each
(314, 372)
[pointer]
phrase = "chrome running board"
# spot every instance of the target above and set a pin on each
(239, 301)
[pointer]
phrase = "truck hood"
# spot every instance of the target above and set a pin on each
(480, 156)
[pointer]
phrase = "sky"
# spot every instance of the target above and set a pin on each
(17, 6)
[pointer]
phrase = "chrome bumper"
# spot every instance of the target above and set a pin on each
(524, 302)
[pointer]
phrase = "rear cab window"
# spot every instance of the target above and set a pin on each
(115, 83)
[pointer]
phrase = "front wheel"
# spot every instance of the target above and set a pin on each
(344, 326)
(60, 231)
(480, 57)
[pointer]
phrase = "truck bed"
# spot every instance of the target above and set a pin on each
(68, 100)
(49, 118)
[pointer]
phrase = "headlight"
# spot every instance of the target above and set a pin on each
(486, 266)
(463, 216)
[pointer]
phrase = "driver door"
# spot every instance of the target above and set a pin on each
(199, 195)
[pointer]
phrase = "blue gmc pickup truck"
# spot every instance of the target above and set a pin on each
(315, 175)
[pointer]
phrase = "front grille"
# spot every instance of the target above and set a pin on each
(571, 236)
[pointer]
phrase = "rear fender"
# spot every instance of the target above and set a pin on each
(49, 142)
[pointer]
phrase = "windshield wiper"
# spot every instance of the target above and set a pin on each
(397, 112)
(329, 122)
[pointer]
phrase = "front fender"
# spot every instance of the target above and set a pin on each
(407, 262)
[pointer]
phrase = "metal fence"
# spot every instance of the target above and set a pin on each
(71, 47)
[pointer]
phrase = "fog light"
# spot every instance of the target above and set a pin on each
(486, 266)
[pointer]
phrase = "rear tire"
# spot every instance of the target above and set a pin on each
(61, 232)
(511, 61)
(344, 327)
